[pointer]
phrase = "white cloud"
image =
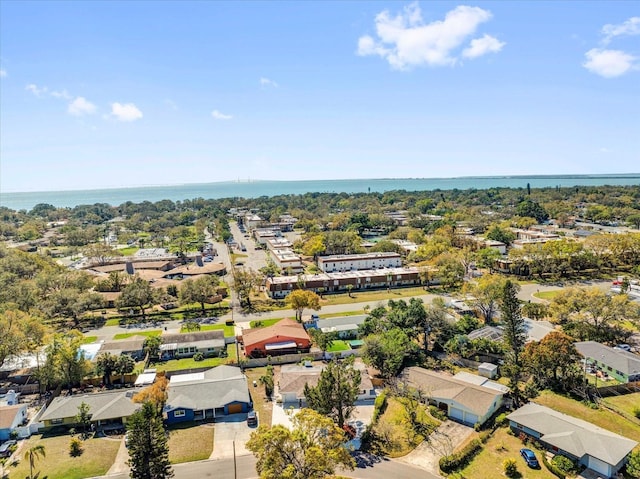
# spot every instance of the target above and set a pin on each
(482, 46)
(3, 73)
(36, 90)
(64, 94)
(406, 41)
(80, 106)
(628, 27)
(125, 111)
(608, 63)
(220, 116)
(267, 82)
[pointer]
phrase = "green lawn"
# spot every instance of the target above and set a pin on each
(153, 332)
(263, 323)
(338, 345)
(129, 251)
(89, 339)
(190, 442)
(501, 446)
(600, 417)
(627, 402)
(548, 295)
(340, 315)
(190, 363)
(229, 331)
(377, 295)
(112, 322)
(96, 460)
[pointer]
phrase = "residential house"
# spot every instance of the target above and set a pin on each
(185, 345)
(287, 260)
(108, 410)
(10, 418)
(624, 366)
(463, 401)
(346, 327)
(593, 447)
(294, 377)
(535, 331)
(133, 346)
(284, 337)
(206, 395)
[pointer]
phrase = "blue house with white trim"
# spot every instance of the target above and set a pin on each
(213, 393)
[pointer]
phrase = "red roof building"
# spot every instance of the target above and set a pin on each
(285, 337)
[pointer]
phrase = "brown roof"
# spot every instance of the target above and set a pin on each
(288, 328)
(107, 268)
(293, 378)
(8, 414)
(438, 385)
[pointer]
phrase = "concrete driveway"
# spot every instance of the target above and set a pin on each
(441, 442)
(231, 431)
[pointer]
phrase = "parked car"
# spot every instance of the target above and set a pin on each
(623, 347)
(530, 458)
(252, 418)
(7, 448)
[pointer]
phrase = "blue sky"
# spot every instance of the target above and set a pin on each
(106, 94)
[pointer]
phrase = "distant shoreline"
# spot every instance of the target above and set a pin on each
(257, 188)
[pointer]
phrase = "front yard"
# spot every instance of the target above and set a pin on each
(488, 463)
(96, 460)
(190, 442)
(190, 363)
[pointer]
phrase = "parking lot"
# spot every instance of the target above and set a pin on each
(254, 258)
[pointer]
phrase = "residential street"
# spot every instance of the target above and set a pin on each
(372, 468)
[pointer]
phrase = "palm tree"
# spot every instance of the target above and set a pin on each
(34, 453)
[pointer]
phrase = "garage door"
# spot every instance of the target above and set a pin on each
(235, 408)
(470, 418)
(455, 413)
(599, 466)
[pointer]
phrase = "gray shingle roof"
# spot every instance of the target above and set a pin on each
(102, 406)
(627, 363)
(212, 389)
(573, 435)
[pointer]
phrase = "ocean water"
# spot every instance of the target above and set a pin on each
(255, 189)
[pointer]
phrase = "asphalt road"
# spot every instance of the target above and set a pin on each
(246, 469)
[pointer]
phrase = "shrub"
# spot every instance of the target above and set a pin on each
(501, 420)
(379, 406)
(75, 447)
(553, 469)
(198, 357)
(636, 412)
(460, 459)
(438, 413)
(510, 467)
(563, 463)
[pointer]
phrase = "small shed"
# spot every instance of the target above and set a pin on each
(488, 370)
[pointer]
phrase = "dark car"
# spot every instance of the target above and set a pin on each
(252, 418)
(530, 458)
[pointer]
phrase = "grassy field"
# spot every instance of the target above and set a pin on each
(378, 295)
(600, 417)
(501, 446)
(340, 315)
(190, 363)
(548, 295)
(153, 332)
(89, 339)
(263, 323)
(338, 345)
(130, 251)
(190, 442)
(261, 404)
(627, 402)
(397, 438)
(229, 331)
(96, 460)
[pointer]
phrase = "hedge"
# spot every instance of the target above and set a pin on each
(553, 469)
(379, 406)
(462, 458)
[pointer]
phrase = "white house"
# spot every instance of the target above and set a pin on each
(463, 401)
(351, 262)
